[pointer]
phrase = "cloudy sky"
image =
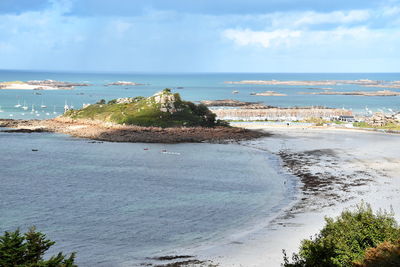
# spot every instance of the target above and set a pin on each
(200, 35)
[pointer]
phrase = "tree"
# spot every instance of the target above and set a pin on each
(27, 250)
(344, 240)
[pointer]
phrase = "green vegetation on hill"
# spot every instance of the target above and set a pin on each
(346, 241)
(164, 109)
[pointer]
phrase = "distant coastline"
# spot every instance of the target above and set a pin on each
(362, 82)
(40, 85)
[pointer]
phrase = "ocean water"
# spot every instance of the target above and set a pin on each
(117, 204)
(196, 87)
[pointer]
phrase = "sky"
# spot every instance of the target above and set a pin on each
(200, 35)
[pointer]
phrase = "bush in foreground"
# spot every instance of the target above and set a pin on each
(344, 240)
(27, 250)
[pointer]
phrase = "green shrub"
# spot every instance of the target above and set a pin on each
(27, 250)
(344, 240)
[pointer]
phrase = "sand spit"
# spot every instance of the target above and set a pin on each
(364, 82)
(119, 133)
(356, 93)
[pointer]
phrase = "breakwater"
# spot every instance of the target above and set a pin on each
(290, 114)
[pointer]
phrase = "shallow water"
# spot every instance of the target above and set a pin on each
(116, 203)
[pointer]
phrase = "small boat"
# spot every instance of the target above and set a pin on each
(1, 110)
(43, 105)
(18, 105)
(235, 92)
(171, 153)
(25, 107)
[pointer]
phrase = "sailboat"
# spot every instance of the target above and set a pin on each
(18, 105)
(54, 110)
(25, 107)
(33, 108)
(43, 105)
(1, 110)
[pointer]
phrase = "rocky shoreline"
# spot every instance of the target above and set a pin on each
(356, 93)
(102, 131)
(363, 82)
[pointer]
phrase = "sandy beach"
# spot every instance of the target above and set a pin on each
(335, 169)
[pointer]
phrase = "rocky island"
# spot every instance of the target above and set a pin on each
(161, 118)
(123, 83)
(268, 93)
(357, 93)
(40, 85)
(362, 82)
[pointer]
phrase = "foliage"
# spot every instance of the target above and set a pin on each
(147, 112)
(27, 250)
(344, 240)
(13, 82)
(317, 121)
(101, 102)
(389, 126)
(386, 254)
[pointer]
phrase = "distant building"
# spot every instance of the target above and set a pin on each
(346, 118)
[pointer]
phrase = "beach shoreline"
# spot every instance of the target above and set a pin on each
(348, 176)
(111, 132)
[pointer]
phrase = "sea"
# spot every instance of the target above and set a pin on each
(123, 204)
(193, 87)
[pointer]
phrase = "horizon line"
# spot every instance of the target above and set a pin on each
(185, 72)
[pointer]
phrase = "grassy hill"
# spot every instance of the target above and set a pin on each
(164, 109)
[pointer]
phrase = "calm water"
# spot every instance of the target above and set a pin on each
(196, 87)
(116, 204)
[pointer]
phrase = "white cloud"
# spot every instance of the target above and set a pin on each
(310, 38)
(337, 17)
(263, 38)
(391, 11)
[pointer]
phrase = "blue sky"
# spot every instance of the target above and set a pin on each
(200, 35)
